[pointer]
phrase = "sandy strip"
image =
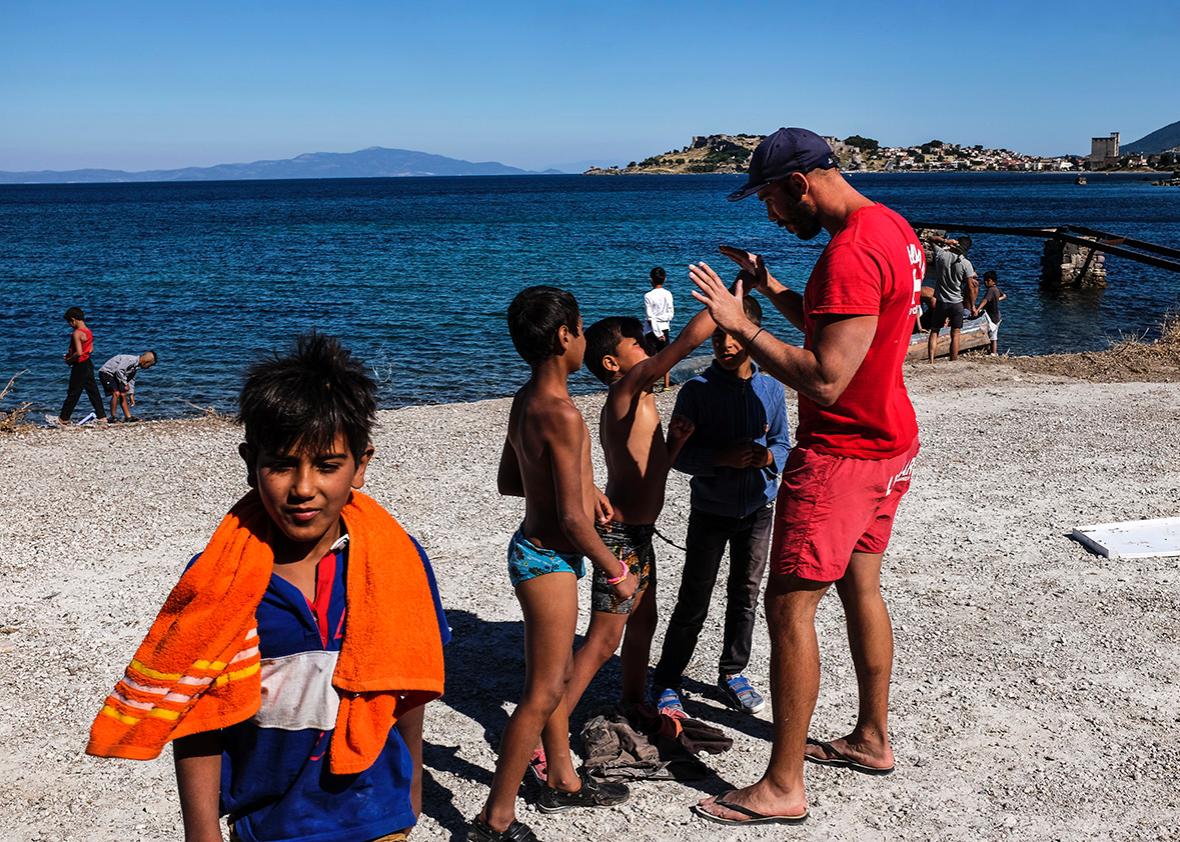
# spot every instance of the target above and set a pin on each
(1036, 693)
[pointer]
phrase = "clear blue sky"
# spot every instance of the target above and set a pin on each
(146, 85)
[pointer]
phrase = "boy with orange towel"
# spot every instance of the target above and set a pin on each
(292, 662)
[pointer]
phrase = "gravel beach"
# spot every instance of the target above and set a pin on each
(1036, 691)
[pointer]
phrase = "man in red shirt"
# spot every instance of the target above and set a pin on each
(851, 465)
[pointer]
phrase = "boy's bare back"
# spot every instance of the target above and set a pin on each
(550, 445)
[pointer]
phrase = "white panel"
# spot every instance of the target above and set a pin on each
(1132, 538)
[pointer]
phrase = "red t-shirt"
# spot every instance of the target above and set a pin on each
(873, 266)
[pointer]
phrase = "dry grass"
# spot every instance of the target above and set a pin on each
(1129, 360)
(12, 419)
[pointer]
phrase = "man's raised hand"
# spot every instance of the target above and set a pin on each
(751, 265)
(725, 307)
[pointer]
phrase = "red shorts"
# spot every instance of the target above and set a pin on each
(830, 507)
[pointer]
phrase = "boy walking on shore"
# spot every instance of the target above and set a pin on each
(739, 445)
(638, 459)
(292, 661)
(77, 357)
(546, 460)
(117, 376)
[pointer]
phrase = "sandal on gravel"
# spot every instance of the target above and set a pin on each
(836, 758)
(478, 831)
(594, 793)
(539, 766)
(752, 816)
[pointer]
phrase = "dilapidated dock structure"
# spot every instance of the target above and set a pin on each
(1074, 256)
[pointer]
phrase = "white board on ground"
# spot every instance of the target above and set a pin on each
(1132, 538)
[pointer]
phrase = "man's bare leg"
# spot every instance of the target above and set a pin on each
(931, 346)
(794, 687)
(550, 607)
(954, 344)
(870, 639)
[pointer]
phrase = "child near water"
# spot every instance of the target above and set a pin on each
(737, 451)
(638, 458)
(292, 662)
(77, 357)
(546, 460)
(117, 376)
(990, 307)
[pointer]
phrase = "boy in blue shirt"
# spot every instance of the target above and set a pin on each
(283, 772)
(739, 445)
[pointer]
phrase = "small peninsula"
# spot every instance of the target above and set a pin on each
(726, 153)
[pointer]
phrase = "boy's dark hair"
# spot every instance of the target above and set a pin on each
(658, 275)
(752, 309)
(603, 338)
(989, 275)
(74, 313)
(155, 357)
(534, 317)
(303, 400)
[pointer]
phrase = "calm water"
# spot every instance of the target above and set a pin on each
(415, 274)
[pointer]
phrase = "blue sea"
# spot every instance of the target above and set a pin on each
(415, 274)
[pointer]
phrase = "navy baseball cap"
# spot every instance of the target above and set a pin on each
(782, 153)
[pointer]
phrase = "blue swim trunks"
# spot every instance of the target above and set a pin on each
(528, 561)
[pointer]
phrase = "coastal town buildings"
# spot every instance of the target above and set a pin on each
(731, 154)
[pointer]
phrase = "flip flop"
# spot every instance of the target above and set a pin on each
(839, 759)
(753, 816)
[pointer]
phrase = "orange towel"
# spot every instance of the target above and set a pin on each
(198, 668)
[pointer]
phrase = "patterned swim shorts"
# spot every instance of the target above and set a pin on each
(631, 544)
(528, 561)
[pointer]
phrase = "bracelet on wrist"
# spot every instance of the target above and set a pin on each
(621, 576)
(750, 341)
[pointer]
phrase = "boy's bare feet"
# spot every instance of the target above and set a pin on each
(870, 758)
(760, 800)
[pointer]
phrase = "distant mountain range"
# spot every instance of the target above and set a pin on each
(1161, 140)
(374, 162)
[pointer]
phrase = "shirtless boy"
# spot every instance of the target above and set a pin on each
(637, 460)
(546, 460)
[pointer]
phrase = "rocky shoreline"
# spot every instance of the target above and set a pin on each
(1035, 691)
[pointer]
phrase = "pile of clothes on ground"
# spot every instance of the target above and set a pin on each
(634, 742)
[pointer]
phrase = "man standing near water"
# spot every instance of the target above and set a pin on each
(852, 461)
(953, 279)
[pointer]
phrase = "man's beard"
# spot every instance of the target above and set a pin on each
(805, 221)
